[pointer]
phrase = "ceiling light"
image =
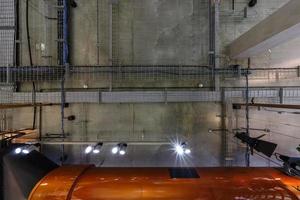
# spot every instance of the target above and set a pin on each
(179, 149)
(182, 149)
(97, 148)
(88, 149)
(18, 150)
(123, 147)
(115, 150)
(187, 151)
(28, 149)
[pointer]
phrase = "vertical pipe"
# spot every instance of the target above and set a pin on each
(65, 32)
(214, 50)
(247, 154)
(211, 40)
(217, 43)
(98, 37)
(66, 61)
(110, 17)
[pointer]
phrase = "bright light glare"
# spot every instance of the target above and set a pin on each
(18, 150)
(88, 149)
(187, 151)
(25, 151)
(96, 151)
(122, 152)
(115, 150)
(179, 149)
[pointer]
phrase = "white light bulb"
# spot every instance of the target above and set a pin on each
(25, 151)
(179, 149)
(88, 149)
(187, 151)
(115, 150)
(96, 151)
(18, 150)
(122, 152)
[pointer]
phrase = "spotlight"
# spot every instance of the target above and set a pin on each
(120, 148)
(25, 151)
(28, 149)
(18, 150)
(88, 149)
(123, 148)
(181, 149)
(97, 148)
(115, 150)
(187, 151)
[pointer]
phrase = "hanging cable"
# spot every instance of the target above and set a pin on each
(31, 64)
(270, 160)
(286, 124)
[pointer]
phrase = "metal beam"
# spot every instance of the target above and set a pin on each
(281, 26)
(283, 106)
(154, 96)
(23, 105)
(136, 143)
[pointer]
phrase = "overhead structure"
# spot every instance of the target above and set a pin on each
(267, 105)
(281, 26)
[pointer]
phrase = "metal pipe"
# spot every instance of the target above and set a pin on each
(135, 143)
(266, 105)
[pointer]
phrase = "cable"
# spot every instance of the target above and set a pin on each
(31, 64)
(276, 163)
(286, 124)
(290, 136)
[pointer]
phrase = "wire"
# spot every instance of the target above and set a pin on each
(286, 124)
(290, 136)
(31, 64)
(276, 163)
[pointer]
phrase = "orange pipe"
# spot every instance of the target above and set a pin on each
(91, 183)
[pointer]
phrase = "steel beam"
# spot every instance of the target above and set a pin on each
(281, 26)
(283, 106)
(135, 143)
(23, 105)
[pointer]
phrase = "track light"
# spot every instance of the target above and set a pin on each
(88, 149)
(18, 150)
(25, 149)
(97, 148)
(179, 149)
(93, 149)
(187, 151)
(123, 148)
(115, 150)
(182, 149)
(120, 148)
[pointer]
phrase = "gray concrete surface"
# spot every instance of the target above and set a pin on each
(149, 32)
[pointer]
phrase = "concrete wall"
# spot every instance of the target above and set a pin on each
(145, 32)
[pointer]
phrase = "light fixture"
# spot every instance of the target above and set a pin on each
(123, 147)
(115, 150)
(27, 149)
(187, 151)
(18, 150)
(97, 148)
(120, 148)
(179, 149)
(88, 149)
(182, 149)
